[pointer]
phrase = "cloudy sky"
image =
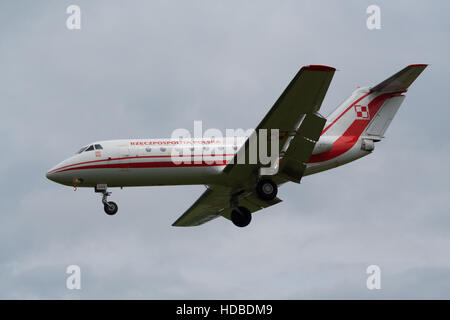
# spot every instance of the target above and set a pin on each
(145, 68)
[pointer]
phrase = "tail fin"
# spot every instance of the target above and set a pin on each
(364, 116)
(369, 111)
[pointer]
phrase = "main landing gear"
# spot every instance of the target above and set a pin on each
(241, 216)
(110, 207)
(266, 190)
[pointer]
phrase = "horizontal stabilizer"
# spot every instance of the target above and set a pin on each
(401, 80)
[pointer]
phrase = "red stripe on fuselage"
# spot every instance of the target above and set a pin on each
(155, 164)
(137, 157)
(334, 121)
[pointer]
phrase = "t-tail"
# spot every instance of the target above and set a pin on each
(353, 128)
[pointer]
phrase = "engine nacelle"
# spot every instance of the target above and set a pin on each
(367, 145)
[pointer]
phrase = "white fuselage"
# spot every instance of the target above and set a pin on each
(153, 162)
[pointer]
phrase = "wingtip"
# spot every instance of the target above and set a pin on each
(418, 65)
(318, 67)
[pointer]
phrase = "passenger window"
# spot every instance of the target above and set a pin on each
(90, 148)
(98, 147)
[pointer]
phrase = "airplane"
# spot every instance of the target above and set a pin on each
(308, 143)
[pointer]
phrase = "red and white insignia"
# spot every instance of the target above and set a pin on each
(362, 112)
(98, 154)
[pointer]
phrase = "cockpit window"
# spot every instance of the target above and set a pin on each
(81, 150)
(98, 147)
(90, 148)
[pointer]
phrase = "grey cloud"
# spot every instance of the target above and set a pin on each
(146, 68)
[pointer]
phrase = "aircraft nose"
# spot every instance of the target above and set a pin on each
(57, 175)
(50, 175)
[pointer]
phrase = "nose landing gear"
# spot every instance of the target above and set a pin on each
(110, 207)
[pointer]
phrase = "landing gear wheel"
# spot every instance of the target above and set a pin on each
(111, 208)
(241, 217)
(266, 189)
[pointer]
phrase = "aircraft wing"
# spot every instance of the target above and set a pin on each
(300, 101)
(295, 115)
(215, 202)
